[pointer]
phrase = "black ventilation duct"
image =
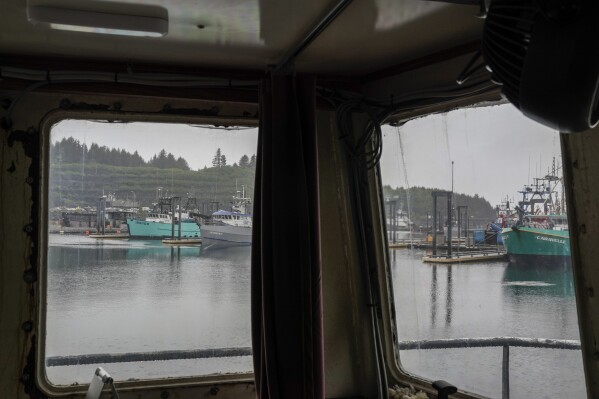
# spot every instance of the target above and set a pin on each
(545, 53)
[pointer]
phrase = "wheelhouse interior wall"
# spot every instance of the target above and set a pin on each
(349, 350)
(17, 302)
(581, 175)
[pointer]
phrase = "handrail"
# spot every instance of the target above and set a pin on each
(101, 358)
(454, 343)
(505, 342)
(451, 343)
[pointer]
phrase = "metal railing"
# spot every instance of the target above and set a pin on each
(504, 342)
(455, 343)
(102, 358)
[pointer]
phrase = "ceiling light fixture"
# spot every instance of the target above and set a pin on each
(98, 22)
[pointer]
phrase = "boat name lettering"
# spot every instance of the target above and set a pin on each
(551, 239)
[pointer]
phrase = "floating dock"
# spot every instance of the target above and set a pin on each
(183, 241)
(115, 235)
(400, 244)
(465, 257)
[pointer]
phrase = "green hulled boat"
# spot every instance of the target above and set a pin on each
(533, 245)
(539, 235)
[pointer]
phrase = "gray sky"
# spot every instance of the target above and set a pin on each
(495, 149)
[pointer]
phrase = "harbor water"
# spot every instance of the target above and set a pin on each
(125, 296)
(486, 300)
(121, 296)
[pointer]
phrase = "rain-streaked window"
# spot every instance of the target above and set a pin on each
(145, 277)
(480, 253)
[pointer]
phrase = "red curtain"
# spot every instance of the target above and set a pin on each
(286, 289)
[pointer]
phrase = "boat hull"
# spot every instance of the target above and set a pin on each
(534, 246)
(155, 230)
(226, 235)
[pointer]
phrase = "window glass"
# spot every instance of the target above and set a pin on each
(119, 294)
(489, 269)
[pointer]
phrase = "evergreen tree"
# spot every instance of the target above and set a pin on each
(223, 160)
(71, 150)
(252, 163)
(244, 161)
(216, 161)
(182, 164)
(161, 162)
(171, 162)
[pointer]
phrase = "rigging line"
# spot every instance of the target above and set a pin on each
(409, 202)
(405, 171)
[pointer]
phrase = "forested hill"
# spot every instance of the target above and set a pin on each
(70, 150)
(480, 211)
(80, 175)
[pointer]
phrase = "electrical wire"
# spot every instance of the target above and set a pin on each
(365, 151)
(367, 147)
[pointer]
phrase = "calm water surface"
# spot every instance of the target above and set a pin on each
(111, 296)
(493, 299)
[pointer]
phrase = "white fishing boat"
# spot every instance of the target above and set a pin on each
(232, 227)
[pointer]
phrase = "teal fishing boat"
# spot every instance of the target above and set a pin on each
(160, 225)
(539, 235)
(536, 245)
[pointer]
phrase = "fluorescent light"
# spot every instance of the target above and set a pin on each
(97, 22)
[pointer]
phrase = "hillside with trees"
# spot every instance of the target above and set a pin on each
(80, 175)
(420, 202)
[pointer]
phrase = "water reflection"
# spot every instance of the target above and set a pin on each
(532, 279)
(435, 291)
(434, 296)
(448, 299)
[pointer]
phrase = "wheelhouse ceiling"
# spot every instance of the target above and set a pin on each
(368, 36)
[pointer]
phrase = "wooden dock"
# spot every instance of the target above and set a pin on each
(399, 244)
(183, 241)
(466, 257)
(114, 236)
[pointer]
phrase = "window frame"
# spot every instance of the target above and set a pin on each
(146, 115)
(395, 369)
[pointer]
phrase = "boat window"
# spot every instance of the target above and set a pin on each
(124, 288)
(482, 279)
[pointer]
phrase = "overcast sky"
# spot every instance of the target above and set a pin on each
(495, 149)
